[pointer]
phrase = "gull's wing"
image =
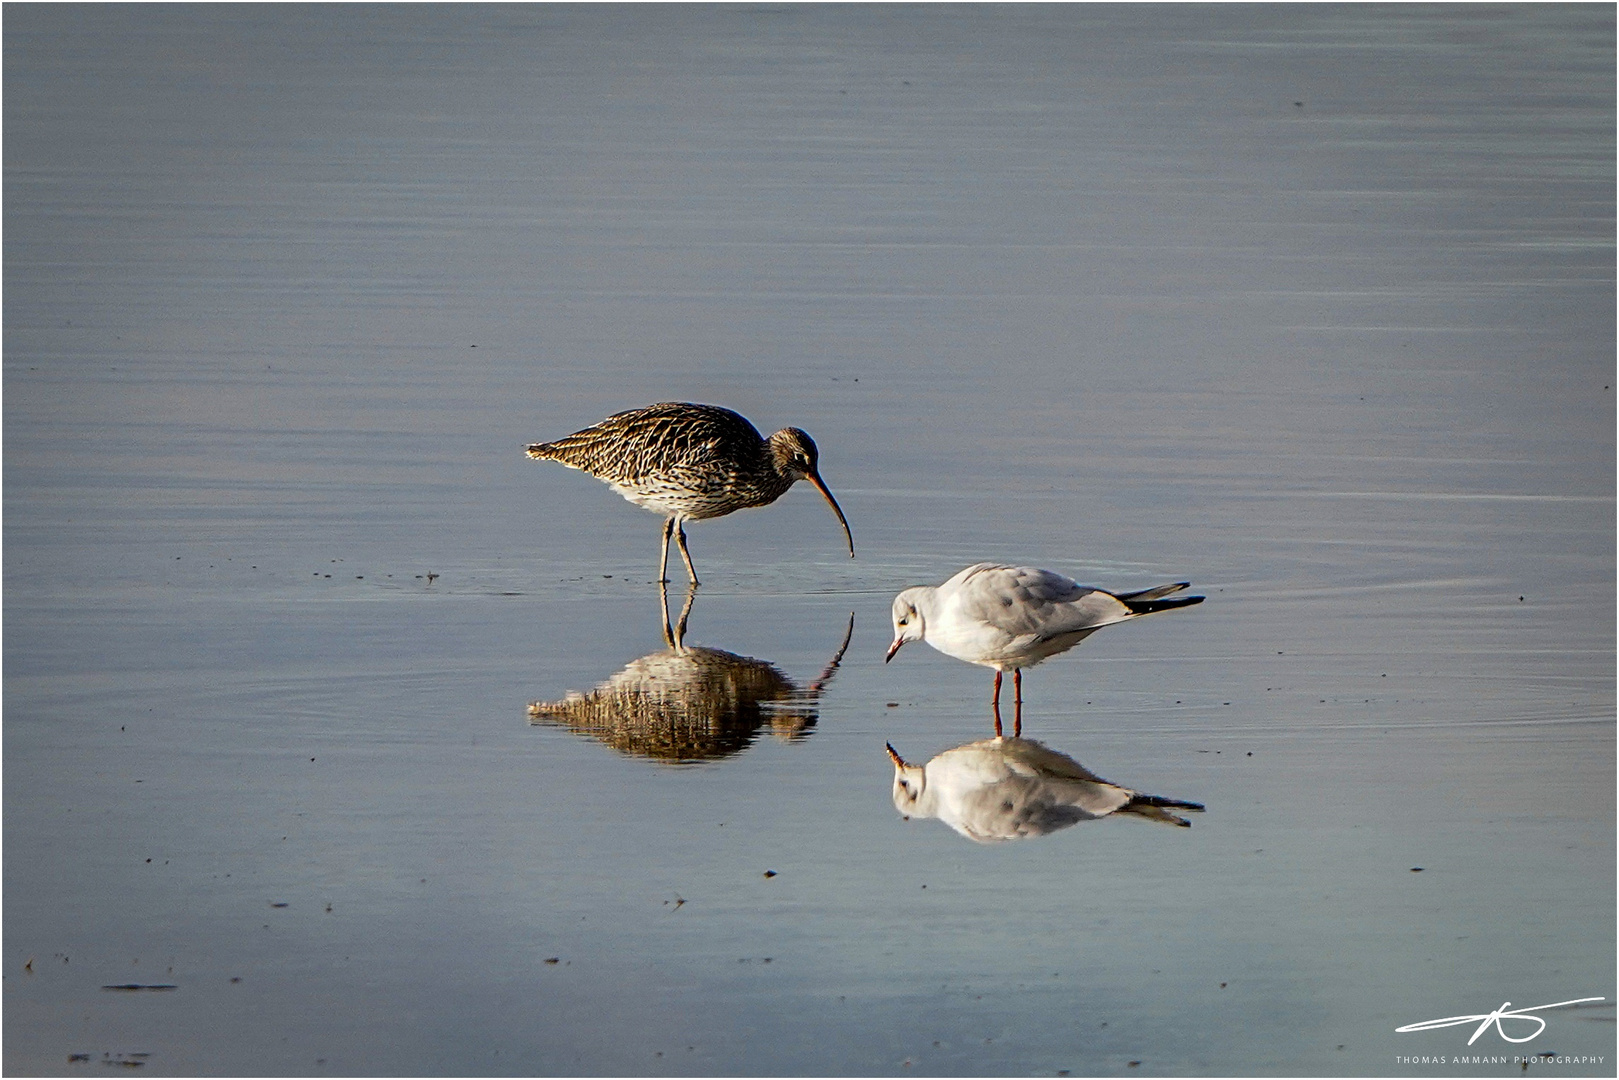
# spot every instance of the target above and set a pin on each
(1021, 600)
(1038, 759)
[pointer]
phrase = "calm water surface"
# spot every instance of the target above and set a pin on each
(1312, 306)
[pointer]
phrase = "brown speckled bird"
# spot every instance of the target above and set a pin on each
(690, 462)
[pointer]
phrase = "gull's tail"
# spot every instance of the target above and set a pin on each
(1149, 600)
(1152, 807)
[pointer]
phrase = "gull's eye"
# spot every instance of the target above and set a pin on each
(905, 621)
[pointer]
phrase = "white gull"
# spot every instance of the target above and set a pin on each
(1011, 789)
(1012, 617)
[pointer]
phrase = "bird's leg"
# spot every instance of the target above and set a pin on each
(663, 598)
(995, 703)
(685, 612)
(663, 566)
(680, 537)
(1017, 703)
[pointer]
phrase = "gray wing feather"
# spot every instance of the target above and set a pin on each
(1020, 600)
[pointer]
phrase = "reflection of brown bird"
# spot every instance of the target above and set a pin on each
(1011, 789)
(691, 462)
(689, 703)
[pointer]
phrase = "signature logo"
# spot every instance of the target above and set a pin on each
(1486, 1020)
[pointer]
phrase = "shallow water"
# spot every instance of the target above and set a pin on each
(1310, 306)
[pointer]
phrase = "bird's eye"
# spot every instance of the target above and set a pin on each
(905, 621)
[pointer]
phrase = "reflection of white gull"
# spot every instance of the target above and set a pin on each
(1009, 789)
(689, 703)
(1013, 617)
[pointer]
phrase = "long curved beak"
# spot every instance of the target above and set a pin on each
(893, 756)
(892, 649)
(820, 486)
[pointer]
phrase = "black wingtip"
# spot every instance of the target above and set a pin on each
(1161, 802)
(1147, 607)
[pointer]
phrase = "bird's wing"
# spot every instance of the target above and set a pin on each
(1040, 759)
(681, 436)
(1021, 600)
(652, 440)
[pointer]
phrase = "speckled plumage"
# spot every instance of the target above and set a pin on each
(689, 703)
(690, 462)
